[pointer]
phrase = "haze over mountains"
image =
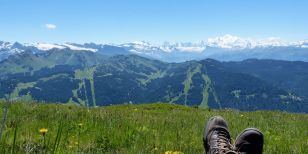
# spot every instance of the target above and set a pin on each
(225, 48)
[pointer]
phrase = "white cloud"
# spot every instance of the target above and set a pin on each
(51, 26)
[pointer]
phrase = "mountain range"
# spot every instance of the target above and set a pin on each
(96, 75)
(225, 48)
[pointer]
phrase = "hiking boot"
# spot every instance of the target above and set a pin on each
(216, 139)
(250, 141)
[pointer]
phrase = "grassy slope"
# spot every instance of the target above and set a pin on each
(152, 128)
(86, 74)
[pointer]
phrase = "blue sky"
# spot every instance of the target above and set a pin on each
(156, 21)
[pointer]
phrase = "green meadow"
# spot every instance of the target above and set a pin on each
(148, 128)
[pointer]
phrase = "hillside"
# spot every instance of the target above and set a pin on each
(90, 79)
(151, 128)
(289, 75)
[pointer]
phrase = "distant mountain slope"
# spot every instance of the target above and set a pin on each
(28, 61)
(90, 79)
(289, 75)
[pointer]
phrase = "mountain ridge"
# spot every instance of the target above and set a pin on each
(225, 48)
(90, 79)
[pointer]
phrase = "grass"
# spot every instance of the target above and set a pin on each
(150, 128)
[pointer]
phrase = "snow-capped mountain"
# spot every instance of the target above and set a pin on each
(7, 48)
(224, 42)
(224, 48)
(140, 47)
(47, 46)
(146, 47)
(234, 42)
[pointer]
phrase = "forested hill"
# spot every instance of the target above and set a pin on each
(92, 79)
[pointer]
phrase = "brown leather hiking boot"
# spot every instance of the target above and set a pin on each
(250, 141)
(216, 139)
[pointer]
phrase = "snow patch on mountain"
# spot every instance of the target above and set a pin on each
(5, 45)
(140, 47)
(272, 41)
(191, 49)
(229, 42)
(184, 47)
(46, 46)
(235, 42)
(74, 47)
(304, 46)
(10, 48)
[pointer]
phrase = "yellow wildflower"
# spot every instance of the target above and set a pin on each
(43, 131)
(174, 152)
(80, 125)
(168, 152)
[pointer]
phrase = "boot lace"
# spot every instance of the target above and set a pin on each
(223, 145)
